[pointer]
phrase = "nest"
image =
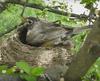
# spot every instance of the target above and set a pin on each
(14, 48)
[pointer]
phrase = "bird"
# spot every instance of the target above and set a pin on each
(48, 34)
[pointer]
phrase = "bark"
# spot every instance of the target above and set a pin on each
(87, 55)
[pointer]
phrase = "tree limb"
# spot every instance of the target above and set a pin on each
(40, 7)
(87, 55)
(2, 6)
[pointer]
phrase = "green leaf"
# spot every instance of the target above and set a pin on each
(88, 1)
(28, 77)
(24, 66)
(3, 67)
(37, 71)
(40, 2)
(11, 70)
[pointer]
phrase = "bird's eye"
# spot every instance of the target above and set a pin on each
(30, 21)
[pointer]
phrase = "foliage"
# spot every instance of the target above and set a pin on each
(94, 73)
(22, 69)
(40, 2)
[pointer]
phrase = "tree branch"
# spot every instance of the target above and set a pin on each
(2, 6)
(40, 7)
(87, 55)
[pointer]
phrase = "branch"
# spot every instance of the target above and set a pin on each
(2, 6)
(40, 7)
(87, 55)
